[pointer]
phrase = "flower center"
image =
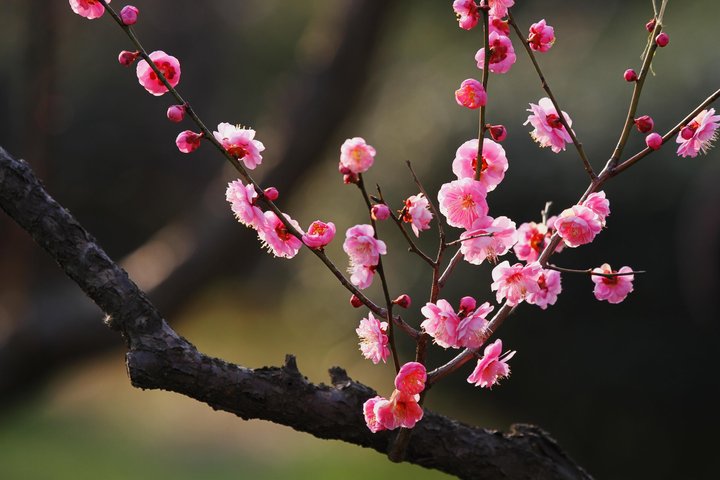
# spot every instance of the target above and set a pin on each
(498, 53)
(553, 120)
(467, 202)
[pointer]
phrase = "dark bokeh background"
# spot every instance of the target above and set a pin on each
(629, 390)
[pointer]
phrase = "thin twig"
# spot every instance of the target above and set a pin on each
(485, 77)
(591, 271)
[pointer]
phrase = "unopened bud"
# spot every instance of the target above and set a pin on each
(650, 26)
(349, 178)
(498, 132)
(630, 75)
(654, 141)
(271, 193)
(129, 14)
(687, 132)
(662, 40)
(403, 301)
(467, 305)
(176, 113)
(380, 211)
(127, 58)
(355, 301)
(188, 141)
(644, 124)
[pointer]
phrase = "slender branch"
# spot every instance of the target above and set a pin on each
(485, 78)
(546, 87)
(471, 237)
(449, 269)
(591, 271)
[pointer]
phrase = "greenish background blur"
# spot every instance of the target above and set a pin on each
(629, 390)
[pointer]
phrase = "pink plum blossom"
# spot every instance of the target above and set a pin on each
(89, 9)
(491, 367)
(502, 54)
(373, 339)
(356, 156)
(549, 130)
(471, 94)
(541, 37)
(369, 412)
(239, 142)
(276, 238)
(499, 8)
(168, 65)
(549, 289)
(698, 135)
(578, 225)
(362, 275)
(493, 167)
(242, 200)
(501, 236)
(417, 213)
(441, 322)
(515, 283)
(471, 330)
(597, 202)
(532, 238)
(613, 289)
(188, 141)
(402, 410)
(411, 378)
(362, 246)
(499, 26)
(463, 202)
(319, 234)
(467, 13)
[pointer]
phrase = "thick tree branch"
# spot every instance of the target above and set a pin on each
(158, 358)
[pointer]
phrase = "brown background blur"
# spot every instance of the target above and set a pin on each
(630, 390)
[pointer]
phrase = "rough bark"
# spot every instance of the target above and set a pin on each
(158, 358)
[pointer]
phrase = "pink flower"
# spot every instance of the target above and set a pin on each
(129, 14)
(242, 200)
(613, 289)
(369, 412)
(471, 330)
(515, 283)
(550, 288)
(411, 378)
(417, 212)
(598, 204)
(463, 202)
(89, 9)
(549, 130)
(373, 340)
(276, 238)
(502, 238)
(494, 162)
(467, 13)
(402, 410)
(471, 94)
(441, 322)
(240, 143)
(502, 54)
(698, 135)
(499, 8)
(188, 141)
(499, 26)
(319, 234)
(578, 225)
(531, 240)
(362, 275)
(541, 37)
(362, 246)
(356, 156)
(168, 65)
(492, 367)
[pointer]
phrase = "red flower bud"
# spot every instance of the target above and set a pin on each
(654, 141)
(176, 113)
(650, 26)
(630, 75)
(127, 58)
(403, 301)
(644, 124)
(271, 193)
(498, 132)
(355, 301)
(662, 40)
(129, 14)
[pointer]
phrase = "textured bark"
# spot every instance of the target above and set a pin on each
(158, 358)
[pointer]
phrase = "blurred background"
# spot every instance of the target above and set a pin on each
(630, 390)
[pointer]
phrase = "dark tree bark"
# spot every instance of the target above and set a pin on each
(158, 358)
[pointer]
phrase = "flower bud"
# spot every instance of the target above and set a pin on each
(355, 301)
(644, 124)
(188, 141)
(467, 305)
(127, 58)
(498, 132)
(129, 14)
(380, 211)
(176, 113)
(650, 26)
(662, 40)
(271, 193)
(630, 75)
(403, 301)
(654, 141)
(349, 178)
(687, 132)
